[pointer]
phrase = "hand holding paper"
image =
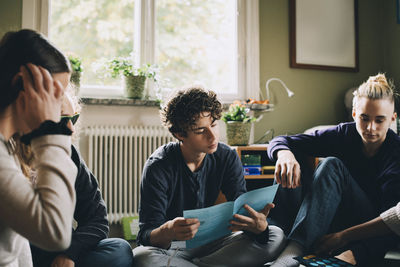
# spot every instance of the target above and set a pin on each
(215, 220)
(183, 229)
(256, 222)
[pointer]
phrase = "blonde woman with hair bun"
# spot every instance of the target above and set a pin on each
(358, 180)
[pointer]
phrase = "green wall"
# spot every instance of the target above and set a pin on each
(391, 41)
(10, 15)
(319, 94)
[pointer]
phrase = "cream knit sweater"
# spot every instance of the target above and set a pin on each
(43, 215)
(392, 218)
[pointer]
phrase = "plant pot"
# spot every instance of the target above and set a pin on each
(238, 133)
(134, 86)
(76, 80)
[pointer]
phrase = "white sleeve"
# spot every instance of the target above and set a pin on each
(42, 214)
(391, 218)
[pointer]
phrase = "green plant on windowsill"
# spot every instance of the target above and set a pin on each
(239, 113)
(238, 124)
(134, 77)
(76, 70)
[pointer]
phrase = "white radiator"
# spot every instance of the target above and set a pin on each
(117, 155)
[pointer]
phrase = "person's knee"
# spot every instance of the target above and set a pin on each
(141, 252)
(328, 166)
(119, 251)
(277, 240)
(142, 255)
(331, 162)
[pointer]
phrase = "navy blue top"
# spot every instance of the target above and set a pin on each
(90, 214)
(169, 187)
(378, 176)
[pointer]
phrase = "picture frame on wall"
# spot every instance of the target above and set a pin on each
(324, 34)
(398, 11)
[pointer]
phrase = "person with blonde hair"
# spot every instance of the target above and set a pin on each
(33, 77)
(358, 179)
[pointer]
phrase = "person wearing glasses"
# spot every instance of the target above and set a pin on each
(33, 77)
(90, 245)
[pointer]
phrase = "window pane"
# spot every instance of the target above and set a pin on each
(196, 40)
(93, 29)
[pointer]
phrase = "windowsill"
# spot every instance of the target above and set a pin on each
(123, 101)
(119, 101)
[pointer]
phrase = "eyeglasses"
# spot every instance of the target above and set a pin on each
(72, 118)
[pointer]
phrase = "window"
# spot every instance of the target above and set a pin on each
(213, 42)
(197, 42)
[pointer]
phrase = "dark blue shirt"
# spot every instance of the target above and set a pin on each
(169, 187)
(90, 215)
(378, 176)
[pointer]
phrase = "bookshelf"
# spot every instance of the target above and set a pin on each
(260, 149)
(253, 181)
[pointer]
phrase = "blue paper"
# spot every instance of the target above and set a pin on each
(214, 221)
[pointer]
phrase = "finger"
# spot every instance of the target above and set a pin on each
(243, 219)
(183, 231)
(289, 177)
(187, 236)
(27, 80)
(37, 77)
(187, 228)
(267, 208)
(180, 221)
(296, 174)
(47, 79)
(21, 103)
(58, 89)
(238, 224)
(283, 176)
(191, 221)
(277, 173)
(251, 211)
(16, 77)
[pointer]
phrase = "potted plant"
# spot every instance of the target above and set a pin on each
(238, 124)
(77, 70)
(134, 77)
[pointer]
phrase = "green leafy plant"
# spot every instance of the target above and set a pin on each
(125, 67)
(76, 63)
(237, 112)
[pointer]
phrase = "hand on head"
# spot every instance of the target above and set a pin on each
(287, 170)
(41, 98)
(255, 223)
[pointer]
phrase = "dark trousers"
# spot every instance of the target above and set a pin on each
(108, 252)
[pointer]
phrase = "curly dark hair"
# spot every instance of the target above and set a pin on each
(181, 112)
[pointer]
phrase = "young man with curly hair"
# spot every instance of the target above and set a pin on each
(189, 174)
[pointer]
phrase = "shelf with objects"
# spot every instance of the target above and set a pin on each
(256, 164)
(257, 167)
(256, 155)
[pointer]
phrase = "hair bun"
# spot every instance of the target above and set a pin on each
(379, 78)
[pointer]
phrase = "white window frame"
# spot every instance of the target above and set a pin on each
(35, 15)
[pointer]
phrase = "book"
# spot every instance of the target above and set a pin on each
(130, 227)
(313, 260)
(214, 220)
